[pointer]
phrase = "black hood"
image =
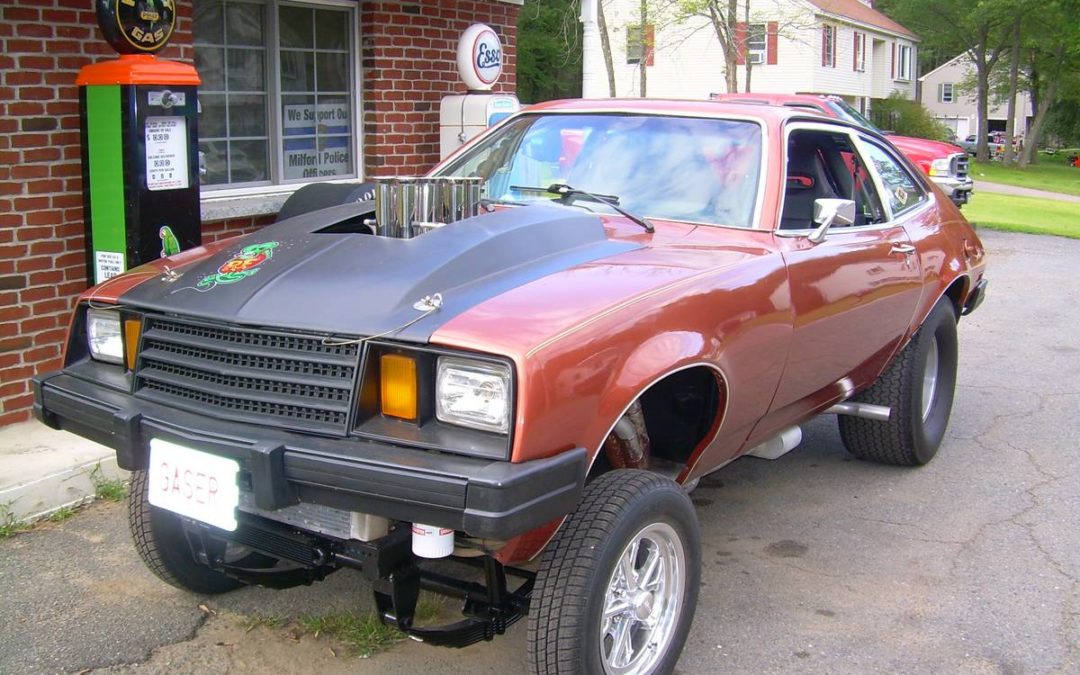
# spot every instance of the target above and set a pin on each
(292, 275)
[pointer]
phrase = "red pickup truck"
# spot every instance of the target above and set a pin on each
(945, 163)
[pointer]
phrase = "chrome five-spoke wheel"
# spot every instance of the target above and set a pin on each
(617, 586)
(643, 601)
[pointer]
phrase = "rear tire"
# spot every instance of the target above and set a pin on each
(918, 386)
(163, 546)
(618, 585)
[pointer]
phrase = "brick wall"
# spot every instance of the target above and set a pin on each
(409, 54)
(43, 43)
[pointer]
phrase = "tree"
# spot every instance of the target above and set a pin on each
(1054, 64)
(981, 28)
(548, 50)
(1014, 78)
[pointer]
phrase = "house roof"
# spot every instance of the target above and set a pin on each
(954, 60)
(861, 13)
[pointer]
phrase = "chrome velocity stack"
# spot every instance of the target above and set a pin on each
(407, 207)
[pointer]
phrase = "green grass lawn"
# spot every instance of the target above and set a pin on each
(1051, 173)
(1024, 214)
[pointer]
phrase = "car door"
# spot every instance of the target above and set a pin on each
(853, 294)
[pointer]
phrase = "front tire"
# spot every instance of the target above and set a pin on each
(617, 587)
(163, 546)
(918, 385)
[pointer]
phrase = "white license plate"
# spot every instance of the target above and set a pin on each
(193, 483)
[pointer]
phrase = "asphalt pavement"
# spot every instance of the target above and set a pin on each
(1017, 191)
(813, 563)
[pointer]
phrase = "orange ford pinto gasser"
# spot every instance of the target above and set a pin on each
(523, 362)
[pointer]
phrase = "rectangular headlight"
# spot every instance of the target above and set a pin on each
(473, 394)
(940, 167)
(104, 335)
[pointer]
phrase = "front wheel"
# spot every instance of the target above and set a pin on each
(918, 386)
(617, 587)
(163, 546)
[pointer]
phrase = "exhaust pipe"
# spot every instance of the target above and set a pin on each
(869, 411)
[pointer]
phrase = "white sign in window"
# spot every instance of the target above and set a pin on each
(317, 142)
(166, 153)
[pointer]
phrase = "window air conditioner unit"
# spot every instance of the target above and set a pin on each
(757, 57)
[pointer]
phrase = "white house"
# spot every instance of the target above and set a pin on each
(842, 47)
(948, 92)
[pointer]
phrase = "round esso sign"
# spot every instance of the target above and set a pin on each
(479, 57)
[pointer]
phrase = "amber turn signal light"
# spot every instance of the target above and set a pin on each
(132, 329)
(398, 386)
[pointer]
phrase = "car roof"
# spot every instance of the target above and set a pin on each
(771, 114)
(774, 98)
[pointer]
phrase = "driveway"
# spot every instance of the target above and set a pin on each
(813, 563)
(1017, 191)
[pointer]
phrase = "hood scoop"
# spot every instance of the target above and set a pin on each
(408, 207)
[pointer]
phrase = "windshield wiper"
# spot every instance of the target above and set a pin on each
(567, 192)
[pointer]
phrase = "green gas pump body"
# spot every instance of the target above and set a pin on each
(139, 118)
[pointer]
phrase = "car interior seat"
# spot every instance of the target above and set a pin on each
(806, 182)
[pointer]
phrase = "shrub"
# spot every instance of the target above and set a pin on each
(907, 118)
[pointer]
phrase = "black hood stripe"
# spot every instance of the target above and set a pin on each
(360, 285)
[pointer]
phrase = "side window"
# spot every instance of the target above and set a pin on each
(825, 165)
(901, 189)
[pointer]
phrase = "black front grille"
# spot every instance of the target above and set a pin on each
(294, 381)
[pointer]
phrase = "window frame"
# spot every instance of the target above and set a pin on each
(860, 52)
(854, 141)
(756, 56)
(828, 46)
(860, 142)
(903, 62)
(277, 183)
(645, 43)
(950, 97)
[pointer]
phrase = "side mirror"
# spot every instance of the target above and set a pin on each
(830, 211)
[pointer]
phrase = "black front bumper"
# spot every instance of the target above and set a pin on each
(481, 497)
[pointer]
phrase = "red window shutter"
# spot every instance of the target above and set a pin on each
(855, 52)
(650, 44)
(771, 32)
(824, 45)
(892, 68)
(740, 43)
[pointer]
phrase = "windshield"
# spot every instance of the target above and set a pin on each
(846, 112)
(676, 168)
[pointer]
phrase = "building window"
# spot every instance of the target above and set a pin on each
(640, 44)
(828, 46)
(756, 42)
(278, 94)
(860, 52)
(903, 62)
(945, 92)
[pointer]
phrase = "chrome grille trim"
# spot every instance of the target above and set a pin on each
(958, 165)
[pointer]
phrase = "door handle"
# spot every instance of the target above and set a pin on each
(906, 249)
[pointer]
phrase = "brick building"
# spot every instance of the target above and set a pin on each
(386, 65)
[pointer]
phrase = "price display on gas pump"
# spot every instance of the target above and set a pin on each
(166, 153)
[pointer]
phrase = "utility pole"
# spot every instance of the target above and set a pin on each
(644, 62)
(593, 79)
